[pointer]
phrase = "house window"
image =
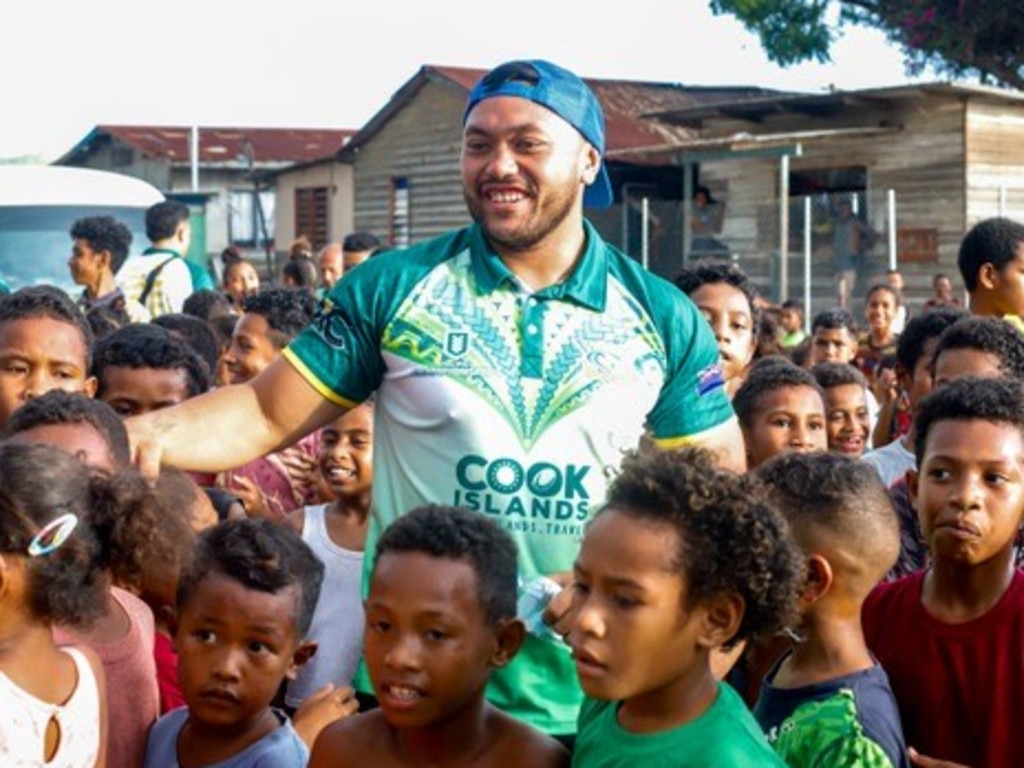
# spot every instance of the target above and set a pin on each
(251, 217)
(311, 214)
(399, 234)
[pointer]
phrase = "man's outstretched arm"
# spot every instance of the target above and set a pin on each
(228, 427)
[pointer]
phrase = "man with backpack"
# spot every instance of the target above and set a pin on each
(159, 278)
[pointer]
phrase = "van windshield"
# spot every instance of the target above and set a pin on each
(35, 241)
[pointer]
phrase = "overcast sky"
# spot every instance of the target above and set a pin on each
(70, 65)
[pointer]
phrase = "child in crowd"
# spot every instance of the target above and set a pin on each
(336, 532)
(300, 272)
(828, 702)
(728, 301)
(914, 352)
(244, 607)
(241, 280)
(683, 559)
(143, 367)
(194, 332)
(207, 305)
(440, 616)
(846, 407)
(99, 247)
(45, 343)
(950, 637)
(833, 337)
(158, 583)
(780, 408)
(280, 482)
(881, 306)
(893, 407)
(791, 320)
(53, 700)
(991, 259)
(978, 346)
(123, 634)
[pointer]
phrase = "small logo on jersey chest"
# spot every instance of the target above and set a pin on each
(456, 343)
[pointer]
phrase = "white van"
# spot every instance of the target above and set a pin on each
(38, 205)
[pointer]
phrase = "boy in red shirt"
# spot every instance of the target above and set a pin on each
(951, 637)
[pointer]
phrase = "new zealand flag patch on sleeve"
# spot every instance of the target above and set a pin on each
(710, 379)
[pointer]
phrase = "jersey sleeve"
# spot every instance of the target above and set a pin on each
(693, 399)
(339, 352)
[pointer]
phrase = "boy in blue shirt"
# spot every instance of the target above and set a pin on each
(440, 618)
(243, 611)
(827, 701)
(683, 559)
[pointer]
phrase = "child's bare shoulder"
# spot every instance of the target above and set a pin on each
(355, 741)
(518, 744)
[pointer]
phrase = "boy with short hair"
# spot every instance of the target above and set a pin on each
(978, 346)
(780, 408)
(244, 607)
(950, 637)
(99, 247)
(272, 485)
(45, 343)
(833, 337)
(846, 407)
(727, 299)
(991, 258)
(683, 559)
(159, 278)
(143, 367)
(440, 617)
(828, 702)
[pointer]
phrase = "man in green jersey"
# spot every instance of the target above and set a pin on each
(513, 361)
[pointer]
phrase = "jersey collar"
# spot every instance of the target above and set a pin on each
(587, 285)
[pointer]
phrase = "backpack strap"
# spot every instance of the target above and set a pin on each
(151, 279)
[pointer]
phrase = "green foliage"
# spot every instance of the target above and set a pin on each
(956, 38)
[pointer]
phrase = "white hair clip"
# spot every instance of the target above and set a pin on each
(52, 535)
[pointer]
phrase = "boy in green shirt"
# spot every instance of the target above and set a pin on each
(683, 559)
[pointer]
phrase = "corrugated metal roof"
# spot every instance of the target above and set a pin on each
(221, 145)
(759, 107)
(627, 105)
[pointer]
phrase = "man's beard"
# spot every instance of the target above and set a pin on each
(532, 232)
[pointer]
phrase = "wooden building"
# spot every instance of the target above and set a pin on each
(405, 160)
(941, 157)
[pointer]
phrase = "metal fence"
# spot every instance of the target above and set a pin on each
(805, 263)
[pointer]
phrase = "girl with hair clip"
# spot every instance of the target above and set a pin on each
(52, 699)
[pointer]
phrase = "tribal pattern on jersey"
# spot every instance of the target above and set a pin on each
(447, 329)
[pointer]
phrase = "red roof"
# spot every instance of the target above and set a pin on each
(628, 105)
(268, 145)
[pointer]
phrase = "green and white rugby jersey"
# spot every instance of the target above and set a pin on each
(518, 405)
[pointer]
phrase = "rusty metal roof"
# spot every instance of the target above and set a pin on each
(628, 105)
(267, 146)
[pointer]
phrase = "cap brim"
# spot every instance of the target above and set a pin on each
(599, 194)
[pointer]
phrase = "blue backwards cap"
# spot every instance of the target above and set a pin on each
(560, 91)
